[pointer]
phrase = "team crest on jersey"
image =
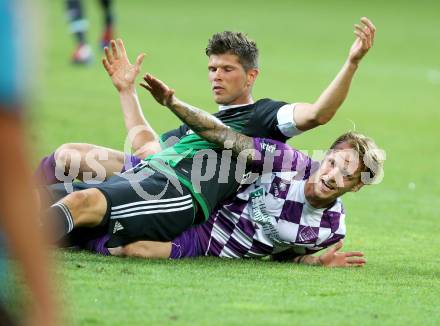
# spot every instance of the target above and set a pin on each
(279, 187)
(283, 186)
(276, 192)
(307, 235)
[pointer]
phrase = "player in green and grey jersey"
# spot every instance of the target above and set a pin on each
(173, 210)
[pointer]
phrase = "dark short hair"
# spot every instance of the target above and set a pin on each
(234, 43)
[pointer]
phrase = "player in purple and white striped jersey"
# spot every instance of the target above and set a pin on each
(271, 214)
(292, 206)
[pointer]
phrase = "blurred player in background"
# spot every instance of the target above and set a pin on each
(78, 26)
(19, 221)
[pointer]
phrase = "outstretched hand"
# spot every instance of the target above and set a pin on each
(159, 90)
(364, 40)
(334, 258)
(122, 73)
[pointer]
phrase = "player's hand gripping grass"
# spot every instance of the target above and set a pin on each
(121, 71)
(201, 122)
(364, 40)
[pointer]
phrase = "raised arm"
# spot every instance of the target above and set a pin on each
(201, 122)
(310, 115)
(143, 138)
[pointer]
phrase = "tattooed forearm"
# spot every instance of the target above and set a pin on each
(212, 129)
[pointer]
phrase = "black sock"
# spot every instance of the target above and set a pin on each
(59, 220)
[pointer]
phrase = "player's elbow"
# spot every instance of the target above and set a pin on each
(322, 119)
(313, 122)
(321, 113)
(312, 116)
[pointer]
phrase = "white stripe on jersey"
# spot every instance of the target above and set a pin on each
(219, 234)
(228, 253)
(238, 234)
(210, 237)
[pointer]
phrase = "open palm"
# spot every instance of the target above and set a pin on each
(335, 258)
(364, 39)
(159, 90)
(122, 73)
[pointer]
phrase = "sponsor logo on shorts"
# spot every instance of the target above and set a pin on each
(118, 227)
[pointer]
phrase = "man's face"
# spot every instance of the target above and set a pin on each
(230, 83)
(340, 172)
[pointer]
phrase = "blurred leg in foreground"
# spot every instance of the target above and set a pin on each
(19, 219)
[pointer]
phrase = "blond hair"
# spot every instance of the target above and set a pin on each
(370, 155)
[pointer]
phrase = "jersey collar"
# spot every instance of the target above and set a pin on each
(226, 107)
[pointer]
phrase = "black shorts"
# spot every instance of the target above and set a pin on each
(143, 204)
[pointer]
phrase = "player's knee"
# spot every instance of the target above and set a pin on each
(88, 206)
(67, 155)
(77, 200)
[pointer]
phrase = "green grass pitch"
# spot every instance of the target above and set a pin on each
(394, 98)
